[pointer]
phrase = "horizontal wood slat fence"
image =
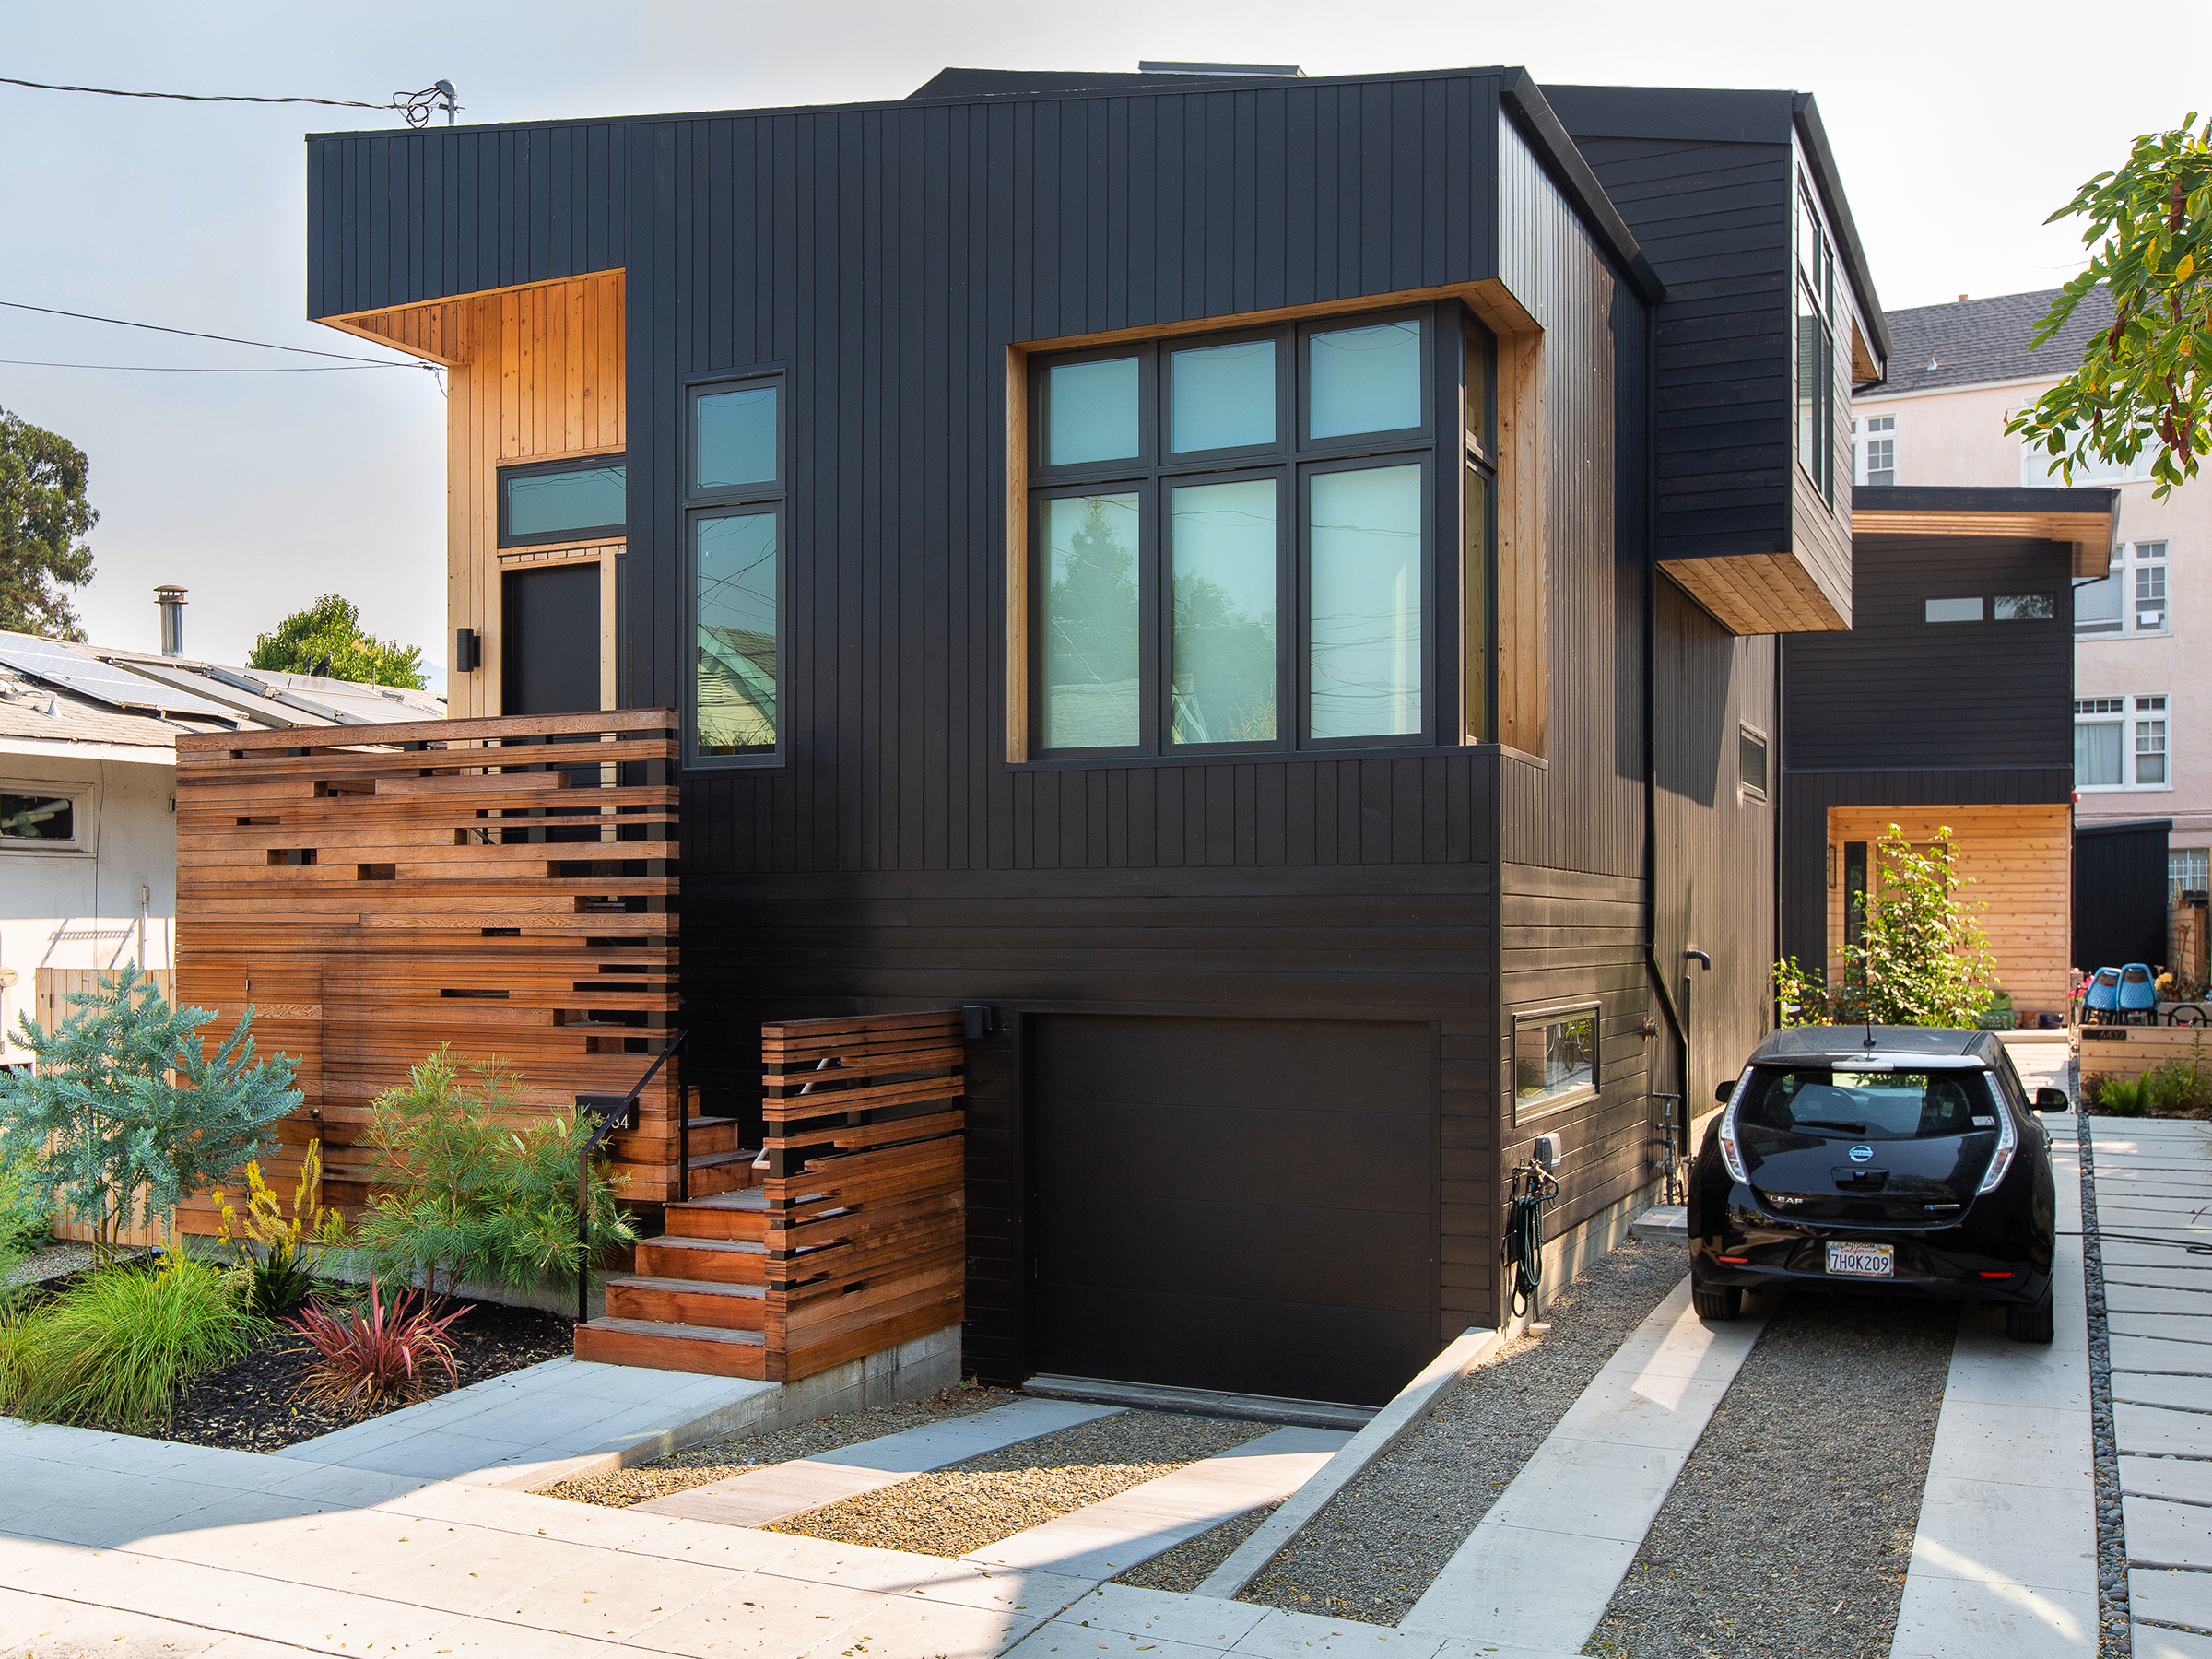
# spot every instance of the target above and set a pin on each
(504, 886)
(867, 1221)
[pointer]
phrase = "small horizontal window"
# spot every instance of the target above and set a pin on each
(33, 818)
(569, 501)
(1955, 610)
(2025, 607)
(1555, 1061)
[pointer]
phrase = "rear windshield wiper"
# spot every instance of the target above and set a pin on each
(1828, 1123)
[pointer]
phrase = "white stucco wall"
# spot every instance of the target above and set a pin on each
(79, 907)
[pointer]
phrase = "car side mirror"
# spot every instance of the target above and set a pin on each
(1724, 1093)
(2053, 1100)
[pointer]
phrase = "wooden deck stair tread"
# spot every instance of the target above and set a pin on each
(639, 1281)
(676, 1241)
(751, 1199)
(680, 1332)
(711, 1159)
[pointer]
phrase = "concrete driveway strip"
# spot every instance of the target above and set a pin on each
(760, 1496)
(1539, 1570)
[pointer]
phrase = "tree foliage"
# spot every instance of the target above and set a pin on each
(326, 638)
(1920, 958)
(2147, 381)
(44, 519)
(125, 1114)
(488, 1186)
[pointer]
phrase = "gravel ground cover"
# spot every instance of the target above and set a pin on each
(1829, 1423)
(50, 1262)
(994, 1496)
(1184, 1568)
(2113, 1613)
(1379, 1545)
(718, 1460)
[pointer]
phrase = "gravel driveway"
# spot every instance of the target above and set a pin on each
(1377, 1546)
(1829, 1425)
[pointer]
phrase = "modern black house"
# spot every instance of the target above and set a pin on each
(1266, 585)
(1949, 703)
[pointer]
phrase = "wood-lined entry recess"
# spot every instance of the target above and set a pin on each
(538, 374)
(2018, 861)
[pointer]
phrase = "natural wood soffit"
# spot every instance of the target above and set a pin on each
(437, 330)
(2091, 533)
(1757, 593)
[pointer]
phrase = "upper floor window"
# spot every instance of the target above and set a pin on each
(563, 501)
(2188, 870)
(734, 490)
(1816, 307)
(2120, 743)
(1874, 450)
(1232, 536)
(2132, 600)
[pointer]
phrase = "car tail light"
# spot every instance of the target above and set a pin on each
(2000, 1161)
(1734, 1261)
(1731, 1154)
(1996, 1276)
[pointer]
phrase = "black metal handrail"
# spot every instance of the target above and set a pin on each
(614, 1112)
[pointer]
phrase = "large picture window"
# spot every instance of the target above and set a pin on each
(1232, 539)
(734, 487)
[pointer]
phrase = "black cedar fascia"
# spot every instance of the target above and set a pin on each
(1525, 101)
(968, 86)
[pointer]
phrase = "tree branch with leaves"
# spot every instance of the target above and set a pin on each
(2144, 382)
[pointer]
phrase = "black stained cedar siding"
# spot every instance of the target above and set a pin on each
(1900, 691)
(2120, 877)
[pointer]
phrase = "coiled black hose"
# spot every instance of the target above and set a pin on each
(1525, 1237)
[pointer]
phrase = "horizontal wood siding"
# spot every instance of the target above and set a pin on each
(1900, 691)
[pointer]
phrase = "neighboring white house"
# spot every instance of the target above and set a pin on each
(88, 794)
(2142, 722)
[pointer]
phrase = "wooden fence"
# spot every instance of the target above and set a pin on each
(504, 886)
(866, 1223)
(50, 1007)
(2125, 1052)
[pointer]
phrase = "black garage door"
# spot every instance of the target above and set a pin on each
(1239, 1205)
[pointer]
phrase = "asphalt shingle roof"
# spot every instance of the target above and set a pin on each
(1978, 342)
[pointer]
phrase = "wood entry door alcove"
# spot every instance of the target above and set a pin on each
(1244, 1204)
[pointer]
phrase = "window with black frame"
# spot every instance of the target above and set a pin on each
(544, 502)
(1816, 308)
(1232, 538)
(733, 490)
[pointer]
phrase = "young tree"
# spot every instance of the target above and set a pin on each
(124, 1115)
(327, 638)
(44, 519)
(1920, 958)
(2147, 381)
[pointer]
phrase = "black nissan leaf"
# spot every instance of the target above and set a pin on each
(1896, 1159)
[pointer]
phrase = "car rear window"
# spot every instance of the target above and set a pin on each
(1870, 1105)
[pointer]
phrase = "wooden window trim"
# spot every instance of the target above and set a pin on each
(1519, 492)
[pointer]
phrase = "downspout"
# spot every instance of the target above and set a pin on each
(1651, 739)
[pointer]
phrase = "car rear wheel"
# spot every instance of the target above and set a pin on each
(2026, 1322)
(1721, 1301)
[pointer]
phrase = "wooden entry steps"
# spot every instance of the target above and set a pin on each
(853, 1241)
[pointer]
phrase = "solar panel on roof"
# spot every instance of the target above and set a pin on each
(102, 682)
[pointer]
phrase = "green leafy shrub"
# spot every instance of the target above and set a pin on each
(114, 1350)
(279, 1249)
(2180, 1086)
(489, 1187)
(1920, 958)
(2116, 1097)
(375, 1348)
(125, 1113)
(26, 1218)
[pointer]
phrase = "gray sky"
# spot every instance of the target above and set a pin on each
(1958, 128)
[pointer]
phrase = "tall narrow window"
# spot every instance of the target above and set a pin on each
(1854, 892)
(1816, 290)
(734, 483)
(1232, 538)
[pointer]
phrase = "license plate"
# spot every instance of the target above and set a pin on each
(1863, 1260)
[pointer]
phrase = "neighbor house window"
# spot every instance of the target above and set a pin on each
(1231, 541)
(563, 501)
(734, 488)
(1955, 610)
(31, 815)
(1555, 1061)
(1874, 450)
(2132, 600)
(2188, 870)
(1751, 762)
(1816, 309)
(2120, 743)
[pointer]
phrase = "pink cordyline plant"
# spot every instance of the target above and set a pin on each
(368, 1352)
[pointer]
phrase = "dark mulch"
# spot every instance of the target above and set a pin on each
(249, 1405)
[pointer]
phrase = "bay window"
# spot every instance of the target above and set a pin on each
(1232, 540)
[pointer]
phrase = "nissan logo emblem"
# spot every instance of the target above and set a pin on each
(1861, 1155)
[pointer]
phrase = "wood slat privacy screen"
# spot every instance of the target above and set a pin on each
(866, 1220)
(504, 886)
(50, 1007)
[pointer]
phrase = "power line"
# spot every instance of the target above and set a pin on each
(194, 334)
(415, 106)
(172, 369)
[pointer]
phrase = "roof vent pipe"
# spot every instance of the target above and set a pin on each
(171, 603)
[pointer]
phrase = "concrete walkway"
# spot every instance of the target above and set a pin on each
(2154, 1202)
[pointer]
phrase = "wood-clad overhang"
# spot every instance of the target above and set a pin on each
(444, 331)
(2087, 519)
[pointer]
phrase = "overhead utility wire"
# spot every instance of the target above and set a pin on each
(173, 368)
(415, 106)
(194, 334)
